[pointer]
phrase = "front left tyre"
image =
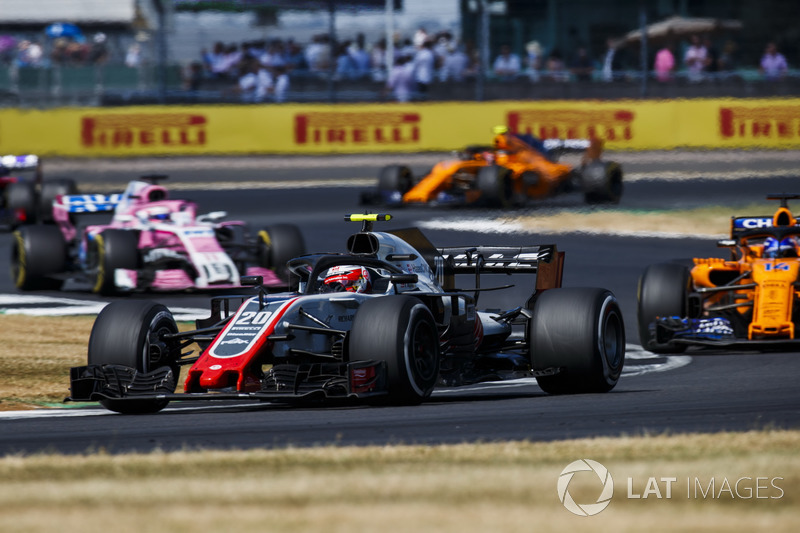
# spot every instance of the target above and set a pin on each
(576, 339)
(601, 182)
(130, 333)
(278, 244)
(38, 256)
(110, 250)
(495, 185)
(20, 197)
(663, 292)
(51, 189)
(400, 332)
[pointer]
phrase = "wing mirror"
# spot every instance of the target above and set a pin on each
(213, 216)
(400, 279)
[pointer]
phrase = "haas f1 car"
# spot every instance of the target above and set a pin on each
(24, 201)
(152, 243)
(382, 322)
(751, 300)
(513, 170)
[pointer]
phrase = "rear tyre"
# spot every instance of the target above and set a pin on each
(277, 245)
(129, 333)
(50, 190)
(400, 332)
(579, 331)
(110, 250)
(395, 178)
(21, 199)
(495, 186)
(663, 289)
(602, 182)
(37, 254)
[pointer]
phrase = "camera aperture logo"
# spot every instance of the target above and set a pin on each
(606, 492)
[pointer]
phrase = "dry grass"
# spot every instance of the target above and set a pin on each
(36, 355)
(494, 487)
(710, 222)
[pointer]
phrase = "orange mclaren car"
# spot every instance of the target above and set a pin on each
(508, 173)
(750, 300)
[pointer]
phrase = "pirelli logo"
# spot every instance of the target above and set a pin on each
(356, 128)
(610, 125)
(144, 130)
(767, 122)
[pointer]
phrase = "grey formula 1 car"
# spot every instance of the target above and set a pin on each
(383, 321)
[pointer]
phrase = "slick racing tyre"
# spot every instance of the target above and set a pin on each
(129, 333)
(495, 185)
(578, 335)
(110, 250)
(50, 190)
(663, 289)
(21, 200)
(277, 245)
(400, 332)
(601, 182)
(395, 178)
(38, 253)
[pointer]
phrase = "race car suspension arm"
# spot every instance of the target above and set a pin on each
(722, 288)
(324, 331)
(730, 306)
(510, 315)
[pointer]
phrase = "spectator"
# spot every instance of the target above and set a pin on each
(214, 60)
(441, 48)
(274, 55)
(534, 59)
(361, 58)
(695, 59)
(773, 63)
(420, 38)
(455, 64)
(424, 66)
(664, 64)
(401, 79)
(406, 49)
(608, 60)
(582, 65)
(727, 59)
(194, 77)
(60, 54)
(133, 57)
(345, 66)
(555, 67)
(295, 59)
(318, 54)
(378, 60)
(506, 65)
(98, 53)
(281, 84)
(248, 84)
(712, 56)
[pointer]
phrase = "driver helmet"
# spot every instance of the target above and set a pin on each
(350, 278)
(783, 248)
(158, 214)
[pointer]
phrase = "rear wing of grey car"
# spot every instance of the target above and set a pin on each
(543, 260)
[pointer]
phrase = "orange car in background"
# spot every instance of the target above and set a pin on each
(508, 173)
(751, 300)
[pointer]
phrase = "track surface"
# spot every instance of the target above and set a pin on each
(698, 392)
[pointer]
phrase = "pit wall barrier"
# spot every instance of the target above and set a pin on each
(393, 127)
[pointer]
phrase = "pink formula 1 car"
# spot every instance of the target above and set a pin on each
(152, 243)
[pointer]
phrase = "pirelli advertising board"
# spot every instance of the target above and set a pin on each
(345, 128)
